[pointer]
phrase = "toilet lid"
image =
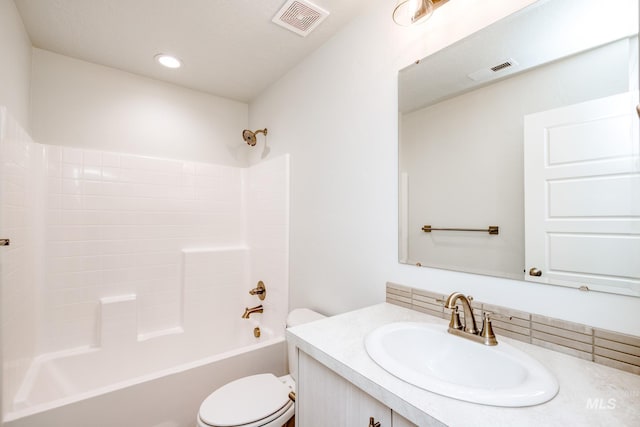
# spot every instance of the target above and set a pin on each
(244, 401)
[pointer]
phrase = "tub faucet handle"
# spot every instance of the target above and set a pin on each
(260, 290)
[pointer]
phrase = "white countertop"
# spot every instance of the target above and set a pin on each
(338, 343)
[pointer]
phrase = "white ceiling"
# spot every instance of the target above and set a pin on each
(229, 48)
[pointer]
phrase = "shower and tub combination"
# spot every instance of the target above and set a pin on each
(126, 278)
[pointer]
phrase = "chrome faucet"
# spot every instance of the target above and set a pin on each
(469, 330)
(249, 311)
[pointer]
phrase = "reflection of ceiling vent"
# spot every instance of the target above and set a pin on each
(300, 16)
(491, 72)
(501, 66)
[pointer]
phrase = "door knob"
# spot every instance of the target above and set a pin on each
(535, 272)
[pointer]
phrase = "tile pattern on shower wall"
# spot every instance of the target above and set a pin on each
(609, 348)
(211, 278)
(17, 158)
(267, 198)
(116, 225)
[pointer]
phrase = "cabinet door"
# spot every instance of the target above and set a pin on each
(326, 399)
(398, 420)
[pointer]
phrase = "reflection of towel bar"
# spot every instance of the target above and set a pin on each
(493, 229)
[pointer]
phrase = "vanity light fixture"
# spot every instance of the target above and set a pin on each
(168, 60)
(409, 12)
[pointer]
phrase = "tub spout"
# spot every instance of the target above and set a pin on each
(249, 311)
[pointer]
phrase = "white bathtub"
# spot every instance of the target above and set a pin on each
(150, 385)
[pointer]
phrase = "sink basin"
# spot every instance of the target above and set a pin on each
(427, 356)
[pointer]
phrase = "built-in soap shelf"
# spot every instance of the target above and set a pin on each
(118, 322)
(210, 277)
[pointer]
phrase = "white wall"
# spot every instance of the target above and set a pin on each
(336, 114)
(15, 71)
(84, 105)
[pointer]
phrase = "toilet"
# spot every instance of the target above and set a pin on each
(257, 400)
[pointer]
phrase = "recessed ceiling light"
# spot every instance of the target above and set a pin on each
(168, 60)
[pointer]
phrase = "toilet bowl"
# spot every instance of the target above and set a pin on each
(257, 400)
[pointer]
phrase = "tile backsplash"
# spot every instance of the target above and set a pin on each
(608, 348)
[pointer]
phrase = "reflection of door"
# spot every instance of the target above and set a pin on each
(582, 195)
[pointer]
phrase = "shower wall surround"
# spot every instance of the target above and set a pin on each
(94, 231)
(116, 225)
(17, 275)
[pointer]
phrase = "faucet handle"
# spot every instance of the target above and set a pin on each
(487, 330)
(455, 322)
(259, 290)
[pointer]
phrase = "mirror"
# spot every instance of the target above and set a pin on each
(468, 143)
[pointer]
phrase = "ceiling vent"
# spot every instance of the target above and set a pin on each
(300, 16)
(491, 72)
(502, 66)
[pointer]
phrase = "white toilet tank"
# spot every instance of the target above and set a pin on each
(295, 318)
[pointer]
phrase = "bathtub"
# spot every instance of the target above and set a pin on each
(152, 384)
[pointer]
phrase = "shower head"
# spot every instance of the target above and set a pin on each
(250, 137)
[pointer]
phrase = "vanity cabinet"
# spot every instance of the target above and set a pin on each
(326, 399)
